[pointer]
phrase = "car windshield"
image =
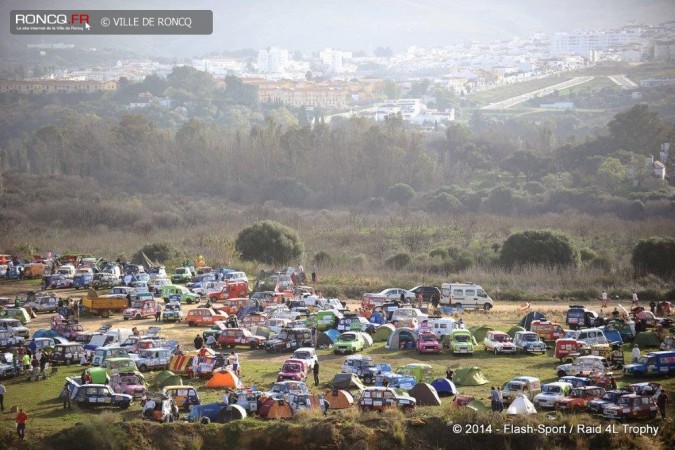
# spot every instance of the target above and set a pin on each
(348, 337)
(529, 337)
(547, 389)
(578, 393)
(500, 337)
(514, 386)
(610, 396)
(427, 337)
(130, 379)
(461, 338)
(623, 401)
(283, 336)
(137, 304)
(180, 271)
(291, 368)
(301, 355)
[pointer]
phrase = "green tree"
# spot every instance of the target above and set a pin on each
(269, 242)
(160, 252)
(611, 173)
(398, 261)
(655, 255)
(538, 247)
(638, 130)
(391, 89)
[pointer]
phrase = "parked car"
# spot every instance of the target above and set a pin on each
(578, 316)
(44, 344)
(465, 296)
(181, 275)
(631, 406)
(218, 327)
(142, 306)
(209, 413)
(308, 355)
(423, 373)
(67, 354)
(185, 397)
(15, 327)
(428, 293)
(609, 398)
(128, 383)
(654, 363)
(569, 348)
(528, 342)
(498, 342)
(349, 342)
(380, 398)
(461, 342)
(551, 393)
(290, 339)
(103, 353)
(282, 389)
(428, 343)
(363, 367)
(584, 366)
(8, 340)
(203, 317)
(589, 336)
(579, 398)
(100, 395)
(172, 312)
(181, 294)
(547, 331)
(152, 358)
(355, 323)
(528, 386)
(292, 370)
(394, 294)
(231, 337)
(42, 303)
(231, 289)
(56, 281)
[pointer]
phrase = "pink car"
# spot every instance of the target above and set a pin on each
(128, 383)
(428, 343)
(293, 369)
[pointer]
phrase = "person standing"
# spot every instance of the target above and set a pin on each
(21, 420)
(635, 301)
(235, 363)
(494, 398)
(635, 354)
(65, 393)
(314, 277)
(158, 313)
(449, 373)
(500, 399)
(662, 402)
(605, 298)
(195, 366)
(199, 342)
(3, 391)
(315, 369)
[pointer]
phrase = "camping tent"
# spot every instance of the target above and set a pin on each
(480, 332)
(347, 381)
(469, 376)
(477, 405)
(166, 378)
(339, 399)
(234, 412)
(367, 338)
(323, 340)
(263, 330)
(513, 329)
(333, 334)
(224, 379)
(275, 409)
(383, 332)
(647, 339)
(42, 333)
(403, 334)
(521, 406)
(444, 387)
(425, 394)
(526, 321)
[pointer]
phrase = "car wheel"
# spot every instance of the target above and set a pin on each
(487, 307)
(126, 318)
(205, 421)
(143, 368)
(253, 345)
(458, 305)
(652, 415)
(407, 409)
(124, 405)
(138, 316)
(68, 362)
(368, 379)
(496, 352)
(192, 324)
(576, 410)
(561, 373)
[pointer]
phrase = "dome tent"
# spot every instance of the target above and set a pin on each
(383, 332)
(403, 334)
(425, 394)
(469, 376)
(444, 387)
(521, 406)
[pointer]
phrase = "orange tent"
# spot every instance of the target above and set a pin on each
(339, 399)
(224, 379)
(275, 409)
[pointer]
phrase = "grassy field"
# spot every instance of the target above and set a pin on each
(40, 399)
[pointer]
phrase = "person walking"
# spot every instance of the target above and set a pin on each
(235, 363)
(635, 354)
(662, 402)
(635, 301)
(21, 420)
(158, 313)
(316, 373)
(65, 394)
(3, 391)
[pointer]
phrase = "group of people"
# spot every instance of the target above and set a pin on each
(497, 399)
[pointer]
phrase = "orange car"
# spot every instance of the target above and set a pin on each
(547, 331)
(232, 289)
(230, 306)
(203, 317)
(578, 401)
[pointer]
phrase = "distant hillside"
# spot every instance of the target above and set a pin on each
(309, 25)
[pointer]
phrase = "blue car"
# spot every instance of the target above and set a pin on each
(215, 412)
(83, 280)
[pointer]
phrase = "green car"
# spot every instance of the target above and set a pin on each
(461, 342)
(174, 292)
(181, 275)
(349, 342)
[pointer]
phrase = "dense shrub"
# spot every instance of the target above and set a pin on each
(398, 261)
(655, 255)
(400, 193)
(322, 258)
(438, 253)
(160, 252)
(538, 247)
(442, 203)
(587, 254)
(269, 242)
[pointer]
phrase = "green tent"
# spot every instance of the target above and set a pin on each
(477, 405)
(480, 332)
(469, 376)
(98, 375)
(166, 378)
(647, 339)
(347, 381)
(513, 329)
(383, 332)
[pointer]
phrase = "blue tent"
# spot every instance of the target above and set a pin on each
(42, 333)
(444, 387)
(378, 318)
(333, 334)
(613, 336)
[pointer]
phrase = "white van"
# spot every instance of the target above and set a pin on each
(442, 326)
(465, 296)
(589, 336)
(67, 270)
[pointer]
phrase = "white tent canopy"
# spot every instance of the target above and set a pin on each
(521, 406)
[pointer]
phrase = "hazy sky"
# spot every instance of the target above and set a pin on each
(309, 25)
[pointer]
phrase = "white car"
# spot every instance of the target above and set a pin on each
(308, 355)
(551, 393)
(583, 365)
(205, 288)
(499, 342)
(395, 294)
(236, 276)
(408, 313)
(14, 326)
(152, 358)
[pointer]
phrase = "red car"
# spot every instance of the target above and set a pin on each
(233, 289)
(579, 399)
(631, 406)
(428, 343)
(232, 337)
(293, 369)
